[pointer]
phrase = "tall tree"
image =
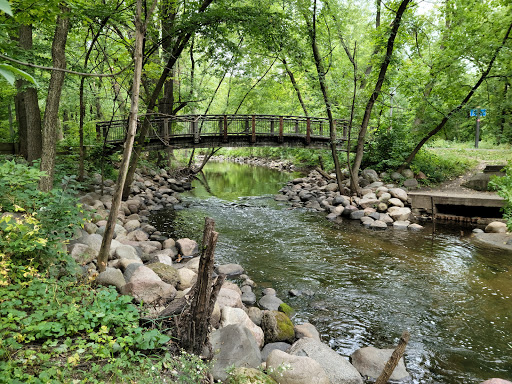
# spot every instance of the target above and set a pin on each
(27, 106)
(375, 94)
(51, 113)
(466, 99)
(140, 31)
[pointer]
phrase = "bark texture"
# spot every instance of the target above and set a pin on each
(378, 86)
(51, 113)
(178, 47)
(140, 30)
(27, 108)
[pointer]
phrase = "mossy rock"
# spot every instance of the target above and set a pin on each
(277, 327)
(249, 376)
(286, 309)
(167, 273)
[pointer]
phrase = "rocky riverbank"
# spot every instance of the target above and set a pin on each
(280, 165)
(251, 328)
(381, 206)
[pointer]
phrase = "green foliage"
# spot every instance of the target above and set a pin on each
(503, 185)
(54, 331)
(440, 168)
(37, 225)
(388, 148)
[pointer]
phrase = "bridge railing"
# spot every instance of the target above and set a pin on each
(165, 127)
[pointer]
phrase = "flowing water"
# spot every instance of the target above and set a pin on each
(454, 297)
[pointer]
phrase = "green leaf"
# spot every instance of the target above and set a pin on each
(4, 6)
(18, 72)
(8, 75)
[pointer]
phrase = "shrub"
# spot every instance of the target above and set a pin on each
(503, 185)
(34, 225)
(54, 331)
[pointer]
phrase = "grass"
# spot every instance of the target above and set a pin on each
(487, 152)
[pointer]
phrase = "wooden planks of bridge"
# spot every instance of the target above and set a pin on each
(205, 131)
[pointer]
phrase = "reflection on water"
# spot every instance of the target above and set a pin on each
(453, 297)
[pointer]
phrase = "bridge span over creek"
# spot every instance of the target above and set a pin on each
(207, 131)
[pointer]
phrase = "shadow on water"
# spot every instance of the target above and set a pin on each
(454, 297)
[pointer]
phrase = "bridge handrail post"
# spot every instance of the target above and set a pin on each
(281, 128)
(166, 129)
(225, 138)
(308, 131)
(253, 136)
(195, 127)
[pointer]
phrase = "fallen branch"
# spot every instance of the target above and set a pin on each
(394, 359)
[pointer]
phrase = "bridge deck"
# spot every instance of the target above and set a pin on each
(202, 131)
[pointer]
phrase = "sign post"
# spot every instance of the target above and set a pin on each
(477, 113)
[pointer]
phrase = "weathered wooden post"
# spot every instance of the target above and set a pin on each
(253, 136)
(281, 128)
(225, 138)
(308, 131)
(194, 322)
(394, 359)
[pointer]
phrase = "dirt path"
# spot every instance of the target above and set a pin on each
(456, 185)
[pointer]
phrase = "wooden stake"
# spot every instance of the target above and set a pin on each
(394, 359)
(194, 323)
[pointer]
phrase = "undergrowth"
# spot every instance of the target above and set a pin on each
(55, 331)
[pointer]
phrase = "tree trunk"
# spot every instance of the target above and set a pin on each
(194, 323)
(461, 105)
(81, 165)
(51, 113)
(27, 108)
(380, 80)
(21, 118)
(325, 93)
(295, 86)
(178, 48)
(140, 31)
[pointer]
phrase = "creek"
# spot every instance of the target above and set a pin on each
(454, 297)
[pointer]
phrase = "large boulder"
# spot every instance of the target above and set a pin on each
(137, 235)
(132, 225)
(167, 273)
(126, 252)
(370, 175)
(289, 369)
(111, 276)
(230, 270)
(233, 346)
(496, 227)
(230, 298)
(277, 327)
(281, 345)
(82, 253)
(187, 278)
(496, 381)
(187, 247)
(400, 214)
(370, 362)
(270, 302)
(145, 286)
(238, 316)
(337, 368)
(307, 330)
(399, 193)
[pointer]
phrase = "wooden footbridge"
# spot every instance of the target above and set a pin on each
(207, 131)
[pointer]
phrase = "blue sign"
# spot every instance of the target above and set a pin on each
(477, 112)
